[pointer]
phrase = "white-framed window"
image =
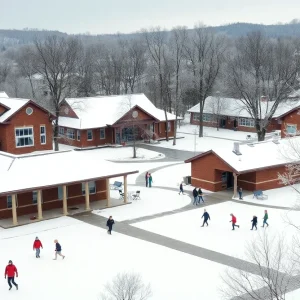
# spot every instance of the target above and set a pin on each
(207, 118)
(70, 134)
(78, 135)
(90, 135)
(102, 133)
(61, 130)
(60, 192)
(24, 137)
(43, 134)
(246, 122)
(29, 111)
(196, 117)
(169, 126)
(291, 129)
(92, 187)
(9, 201)
(34, 197)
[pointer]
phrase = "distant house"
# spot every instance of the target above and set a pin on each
(253, 166)
(24, 126)
(233, 114)
(96, 121)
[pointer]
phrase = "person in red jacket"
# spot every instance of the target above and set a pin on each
(10, 272)
(233, 221)
(37, 245)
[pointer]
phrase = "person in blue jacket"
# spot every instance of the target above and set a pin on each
(206, 217)
(58, 250)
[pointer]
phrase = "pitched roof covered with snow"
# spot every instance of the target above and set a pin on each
(55, 168)
(3, 95)
(256, 156)
(236, 108)
(95, 112)
(13, 106)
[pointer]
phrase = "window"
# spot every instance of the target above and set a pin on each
(29, 111)
(89, 135)
(34, 197)
(9, 201)
(92, 187)
(61, 130)
(196, 117)
(78, 135)
(70, 134)
(61, 193)
(24, 137)
(246, 122)
(169, 126)
(291, 129)
(102, 133)
(207, 118)
(43, 134)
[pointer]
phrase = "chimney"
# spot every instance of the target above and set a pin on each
(236, 148)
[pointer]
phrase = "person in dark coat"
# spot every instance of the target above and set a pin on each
(147, 179)
(58, 250)
(150, 180)
(180, 188)
(10, 272)
(200, 195)
(240, 190)
(109, 224)
(195, 194)
(206, 218)
(254, 222)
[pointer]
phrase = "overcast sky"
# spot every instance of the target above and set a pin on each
(111, 16)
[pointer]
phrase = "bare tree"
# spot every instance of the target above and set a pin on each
(178, 40)
(157, 47)
(205, 55)
(127, 286)
(274, 268)
(262, 69)
(56, 59)
(217, 106)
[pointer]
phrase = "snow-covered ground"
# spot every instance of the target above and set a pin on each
(295, 295)
(153, 201)
(218, 236)
(283, 197)
(93, 258)
(119, 153)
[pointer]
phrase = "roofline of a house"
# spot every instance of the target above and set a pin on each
(233, 169)
(17, 191)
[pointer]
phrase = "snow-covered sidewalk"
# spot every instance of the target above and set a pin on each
(153, 201)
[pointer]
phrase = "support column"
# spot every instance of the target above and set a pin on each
(125, 188)
(234, 185)
(39, 204)
(87, 196)
(65, 204)
(108, 192)
(14, 209)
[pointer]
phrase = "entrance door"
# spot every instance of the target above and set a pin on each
(227, 180)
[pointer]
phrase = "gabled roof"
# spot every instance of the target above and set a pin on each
(236, 108)
(3, 95)
(95, 112)
(14, 105)
(258, 156)
(49, 169)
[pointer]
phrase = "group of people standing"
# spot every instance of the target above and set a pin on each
(11, 270)
(198, 196)
(148, 179)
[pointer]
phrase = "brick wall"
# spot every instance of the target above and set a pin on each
(21, 119)
(292, 118)
(50, 199)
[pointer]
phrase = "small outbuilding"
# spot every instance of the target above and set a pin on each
(251, 166)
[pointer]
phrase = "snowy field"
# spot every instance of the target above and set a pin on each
(218, 236)
(119, 153)
(295, 295)
(93, 258)
(283, 197)
(153, 201)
